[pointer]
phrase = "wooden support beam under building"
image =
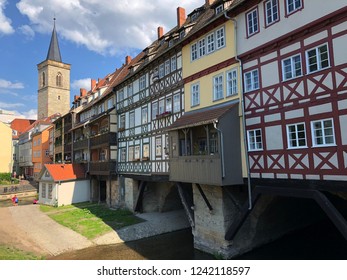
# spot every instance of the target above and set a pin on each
(331, 211)
(186, 205)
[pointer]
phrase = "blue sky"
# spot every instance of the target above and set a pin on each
(94, 37)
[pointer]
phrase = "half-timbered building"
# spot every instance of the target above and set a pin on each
(294, 81)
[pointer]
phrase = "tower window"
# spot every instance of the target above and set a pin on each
(59, 78)
(58, 97)
(43, 79)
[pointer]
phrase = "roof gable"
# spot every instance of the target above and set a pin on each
(65, 172)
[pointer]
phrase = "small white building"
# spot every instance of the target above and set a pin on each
(63, 184)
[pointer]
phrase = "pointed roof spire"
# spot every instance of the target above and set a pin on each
(54, 51)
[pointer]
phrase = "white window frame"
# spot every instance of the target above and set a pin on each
(323, 133)
(271, 12)
(161, 106)
(220, 38)
(168, 104)
(131, 119)
(294, 138)
(251, 80)
(231, 82)
(177, 103)
(194, 51)
(167, 67)
(293, 5)
(144, 115)
(195, 94)
(210, 47)
(255, 140)
(142, 82)
(154, 110)
(252, 22)
(202, 47)
(318, 58)
(292, 67)
(173, 63)
(218, 92)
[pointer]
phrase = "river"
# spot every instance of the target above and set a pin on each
(317, 242)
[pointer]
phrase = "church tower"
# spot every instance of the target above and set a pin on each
(54, 82)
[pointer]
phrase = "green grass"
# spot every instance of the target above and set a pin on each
(11, 253)
(90, 220)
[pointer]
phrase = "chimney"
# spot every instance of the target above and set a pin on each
(127, 60)
(83, 92)
(209, 2)
(160, 32)
(181, 16)
(92, 84)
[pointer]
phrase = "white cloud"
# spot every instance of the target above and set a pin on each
(82, 83)
(31, 114)
(5, 23)
(27, 31)
(106, 27)
(9, 85)
(11, 106)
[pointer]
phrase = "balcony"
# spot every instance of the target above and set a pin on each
(102, 167)
(105, 139)
(80, 144)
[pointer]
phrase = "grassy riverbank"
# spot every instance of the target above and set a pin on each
(90, 219)
(11, 253)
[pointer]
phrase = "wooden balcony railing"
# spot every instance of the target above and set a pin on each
(106, 139)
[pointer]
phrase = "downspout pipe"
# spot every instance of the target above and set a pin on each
(222, 146)
(250, 206)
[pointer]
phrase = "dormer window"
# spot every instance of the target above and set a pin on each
(171, 42)
(219, 9)
(182, 34)
(194, 16)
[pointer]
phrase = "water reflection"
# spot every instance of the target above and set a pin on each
(171, 246)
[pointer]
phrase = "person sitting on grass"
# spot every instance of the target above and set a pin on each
(15, 200)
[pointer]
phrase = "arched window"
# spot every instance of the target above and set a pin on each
(59, 79)
(43, 79)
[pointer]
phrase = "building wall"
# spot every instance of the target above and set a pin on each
(6, 148)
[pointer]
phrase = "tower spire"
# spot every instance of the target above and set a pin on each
(54, 51)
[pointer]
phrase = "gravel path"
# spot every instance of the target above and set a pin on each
(27, 228)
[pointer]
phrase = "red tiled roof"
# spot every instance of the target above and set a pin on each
(20, 125)
(202, 116)
(65, 172)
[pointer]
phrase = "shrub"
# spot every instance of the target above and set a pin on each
(5, 176)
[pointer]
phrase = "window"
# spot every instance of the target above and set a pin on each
(291, 67)
(43, 79)
(317, 58)
(144, 115)
(154, 110)
(168, 104)
(122, 154)
(219, 9)
(210, 43)
(167, 67)
(121, 95)
(293, 5)
(130, 89)
(255, 140)
(132, 119)
(46, 153)
(194, 52)
(252, 22)
(271, 11)
(252, 80)
(50, 189)
(158, 147)
(218, 87)
(122, 122)
(177, 105)
(131, 153)
(202, 49)
(142, 82)
(213, 142)
(195, 95)
(43, 191)
(161, 70)
(59, 78)
(110, 103)
(296, 135)
(161, 106)
(137, 152)
(232, 82)
(145, 150)
(220, 39)
(173, 63)
(323, 132)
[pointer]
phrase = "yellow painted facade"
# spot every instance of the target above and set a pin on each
(6, 148)
(206, 66)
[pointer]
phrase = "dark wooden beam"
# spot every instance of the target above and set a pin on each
(186, 205)
(208, 204)
(138, 204)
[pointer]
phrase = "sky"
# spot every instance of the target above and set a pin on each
(94, 37)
